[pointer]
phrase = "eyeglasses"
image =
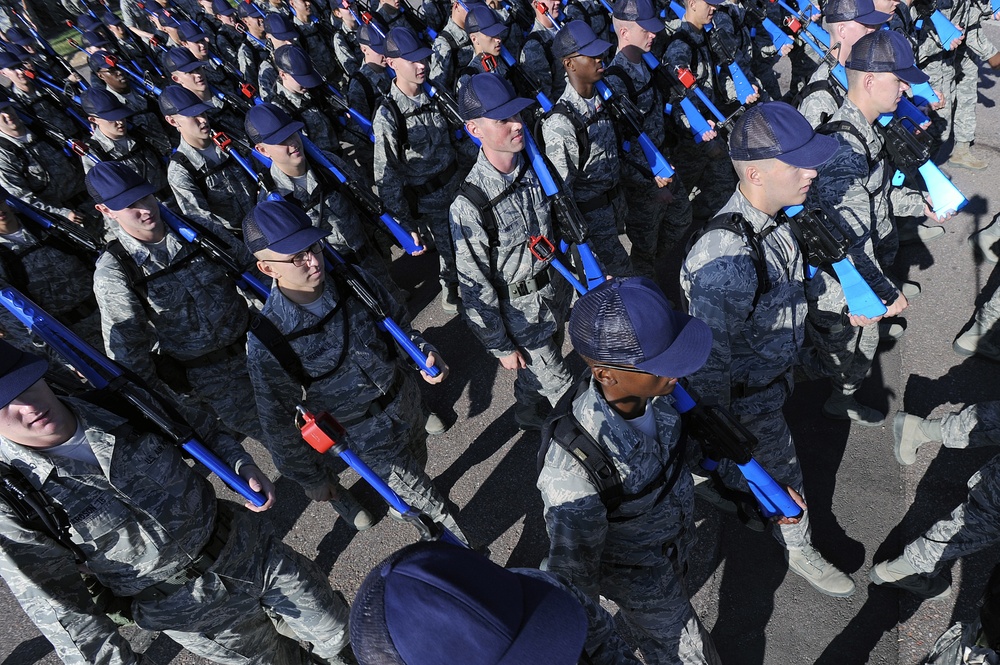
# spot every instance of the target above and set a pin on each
(302, 258)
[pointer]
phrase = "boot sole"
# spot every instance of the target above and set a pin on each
(825, 592)
(878, 580)
(862, 423)
(900, 427)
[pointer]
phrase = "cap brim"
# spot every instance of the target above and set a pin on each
(555, 629)
(687, 353)
(912, 75)
(420, 54)
(117, 114)
(298, 241)
(277, 137)
(192, 111)
(29, 369)
(494, 30)
(130, 196)
(285, 36)
(816, 152)
(595, 48)
(510, 109)
(651, 24)
(873, 18)
(308, 80)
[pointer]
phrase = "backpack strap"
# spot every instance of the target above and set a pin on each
(371, 96)
(581, 128)
(737, 224)
(200, 176)
(136, 281)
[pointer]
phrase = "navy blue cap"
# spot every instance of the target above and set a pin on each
(19, 37)
(179, 59)
(87, 22)
(641, 12)
(166, 20)
(482, 614)
(578, 37)
(222, 8)
(777, 130)
(628, 321)
(91, 38)
(98, 61)
(862, 11)
(489, 95)
(189, 32)
(116, 185)
(401, 42)
(101, 103)
(268, 123)
(886, 51)
(10, 61)
(246, 8)
(483, 19)
(109, 18)
(280, 27)
(295, 61)
(281, 227)
(18, 371)
(5, 103)
(373, 37)
(176, 100)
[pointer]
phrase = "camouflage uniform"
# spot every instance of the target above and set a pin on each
(134, 152)
(40, 174)
(449, 53)
(40, 105)
(973, 526)
(255, 63)
(822, 97)
(754, 348)
(315, 42)
(414, 179)
(192, 316)
(307, 109)
(705, 166)
(536, 57)
(346, 51)
(503, 324)
(653, 227)
(226, 195)
(591, 12)
(360, 380)
(638, 561)
(60, 282)
(593, 184)
(854, 194)
(146, 118)
(366, 99)
(962, 644)
(140, 518)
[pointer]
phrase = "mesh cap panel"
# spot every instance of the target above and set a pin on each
(753, 138)
(370, 638)
(600, 330)
(253, 237)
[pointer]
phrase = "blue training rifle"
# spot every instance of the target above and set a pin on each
(104, 373)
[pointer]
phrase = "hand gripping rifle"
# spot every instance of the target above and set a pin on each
(337, 264)
(57, 225)
(823, 244)
(322, 432)
(666, 84)
(104, 373)
(779, 38)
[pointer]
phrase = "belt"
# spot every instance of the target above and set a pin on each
(208, 555)
(80, 312)
(435, 183)
(212, 357)
(527, 286)
(742, 390)
(380, 403)
(600, 200)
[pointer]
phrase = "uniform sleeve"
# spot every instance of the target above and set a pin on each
(441, 63)
(561, 147)
(347, 58)
(44, 578)
(388, 169)
(13, 180)
(575, 519)
(720, 283)
(533, 60)
(124, 325)
(190, 198)
(975, 35)
(472, 263)
(818, 107)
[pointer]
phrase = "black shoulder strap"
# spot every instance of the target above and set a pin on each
(13, 266)
(366, 86)
(838, 126)
(136, 280)
(736, 223)
(401, 134)
(563, 429)
(487, 207)
(278, 345)
(536, 36)
(824, 85)
(200, 176)
(579, 126)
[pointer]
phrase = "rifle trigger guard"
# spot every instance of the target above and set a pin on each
(546, 249)
(221, 139)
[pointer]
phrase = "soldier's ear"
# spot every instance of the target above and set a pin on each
(603, 376)
(265, 268)
(473, 129)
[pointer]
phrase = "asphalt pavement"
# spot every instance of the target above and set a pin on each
(863, 506)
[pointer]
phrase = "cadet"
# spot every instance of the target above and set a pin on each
(635, 551)
(847, 21)
(227, 40)
(189, 73)
(416, 165)
(486, 30)
(660, 210)
(344, 41)
(318, 345)
(196, 42)
(206, 181)
(451, 49)
(485, 614)
(510, 300)
(146, 113)
(111, 140)
(213, 578)
(37, 172)
(972, 526)
(536, 53)
(294, 94)
(368, 86)
(701, 165)
(744, 278)
(853, 188)
(254, 56)
(582, 144)
(315, 37)
(37, 100)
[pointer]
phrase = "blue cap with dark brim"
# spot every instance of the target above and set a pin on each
(116, 185)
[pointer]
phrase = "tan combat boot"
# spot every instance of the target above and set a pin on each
(962, 157)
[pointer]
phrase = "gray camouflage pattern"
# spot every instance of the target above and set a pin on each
(141, 158)
(307, 109)
(535, 58)
(446, 60)
(226, 196)
(39, 174)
